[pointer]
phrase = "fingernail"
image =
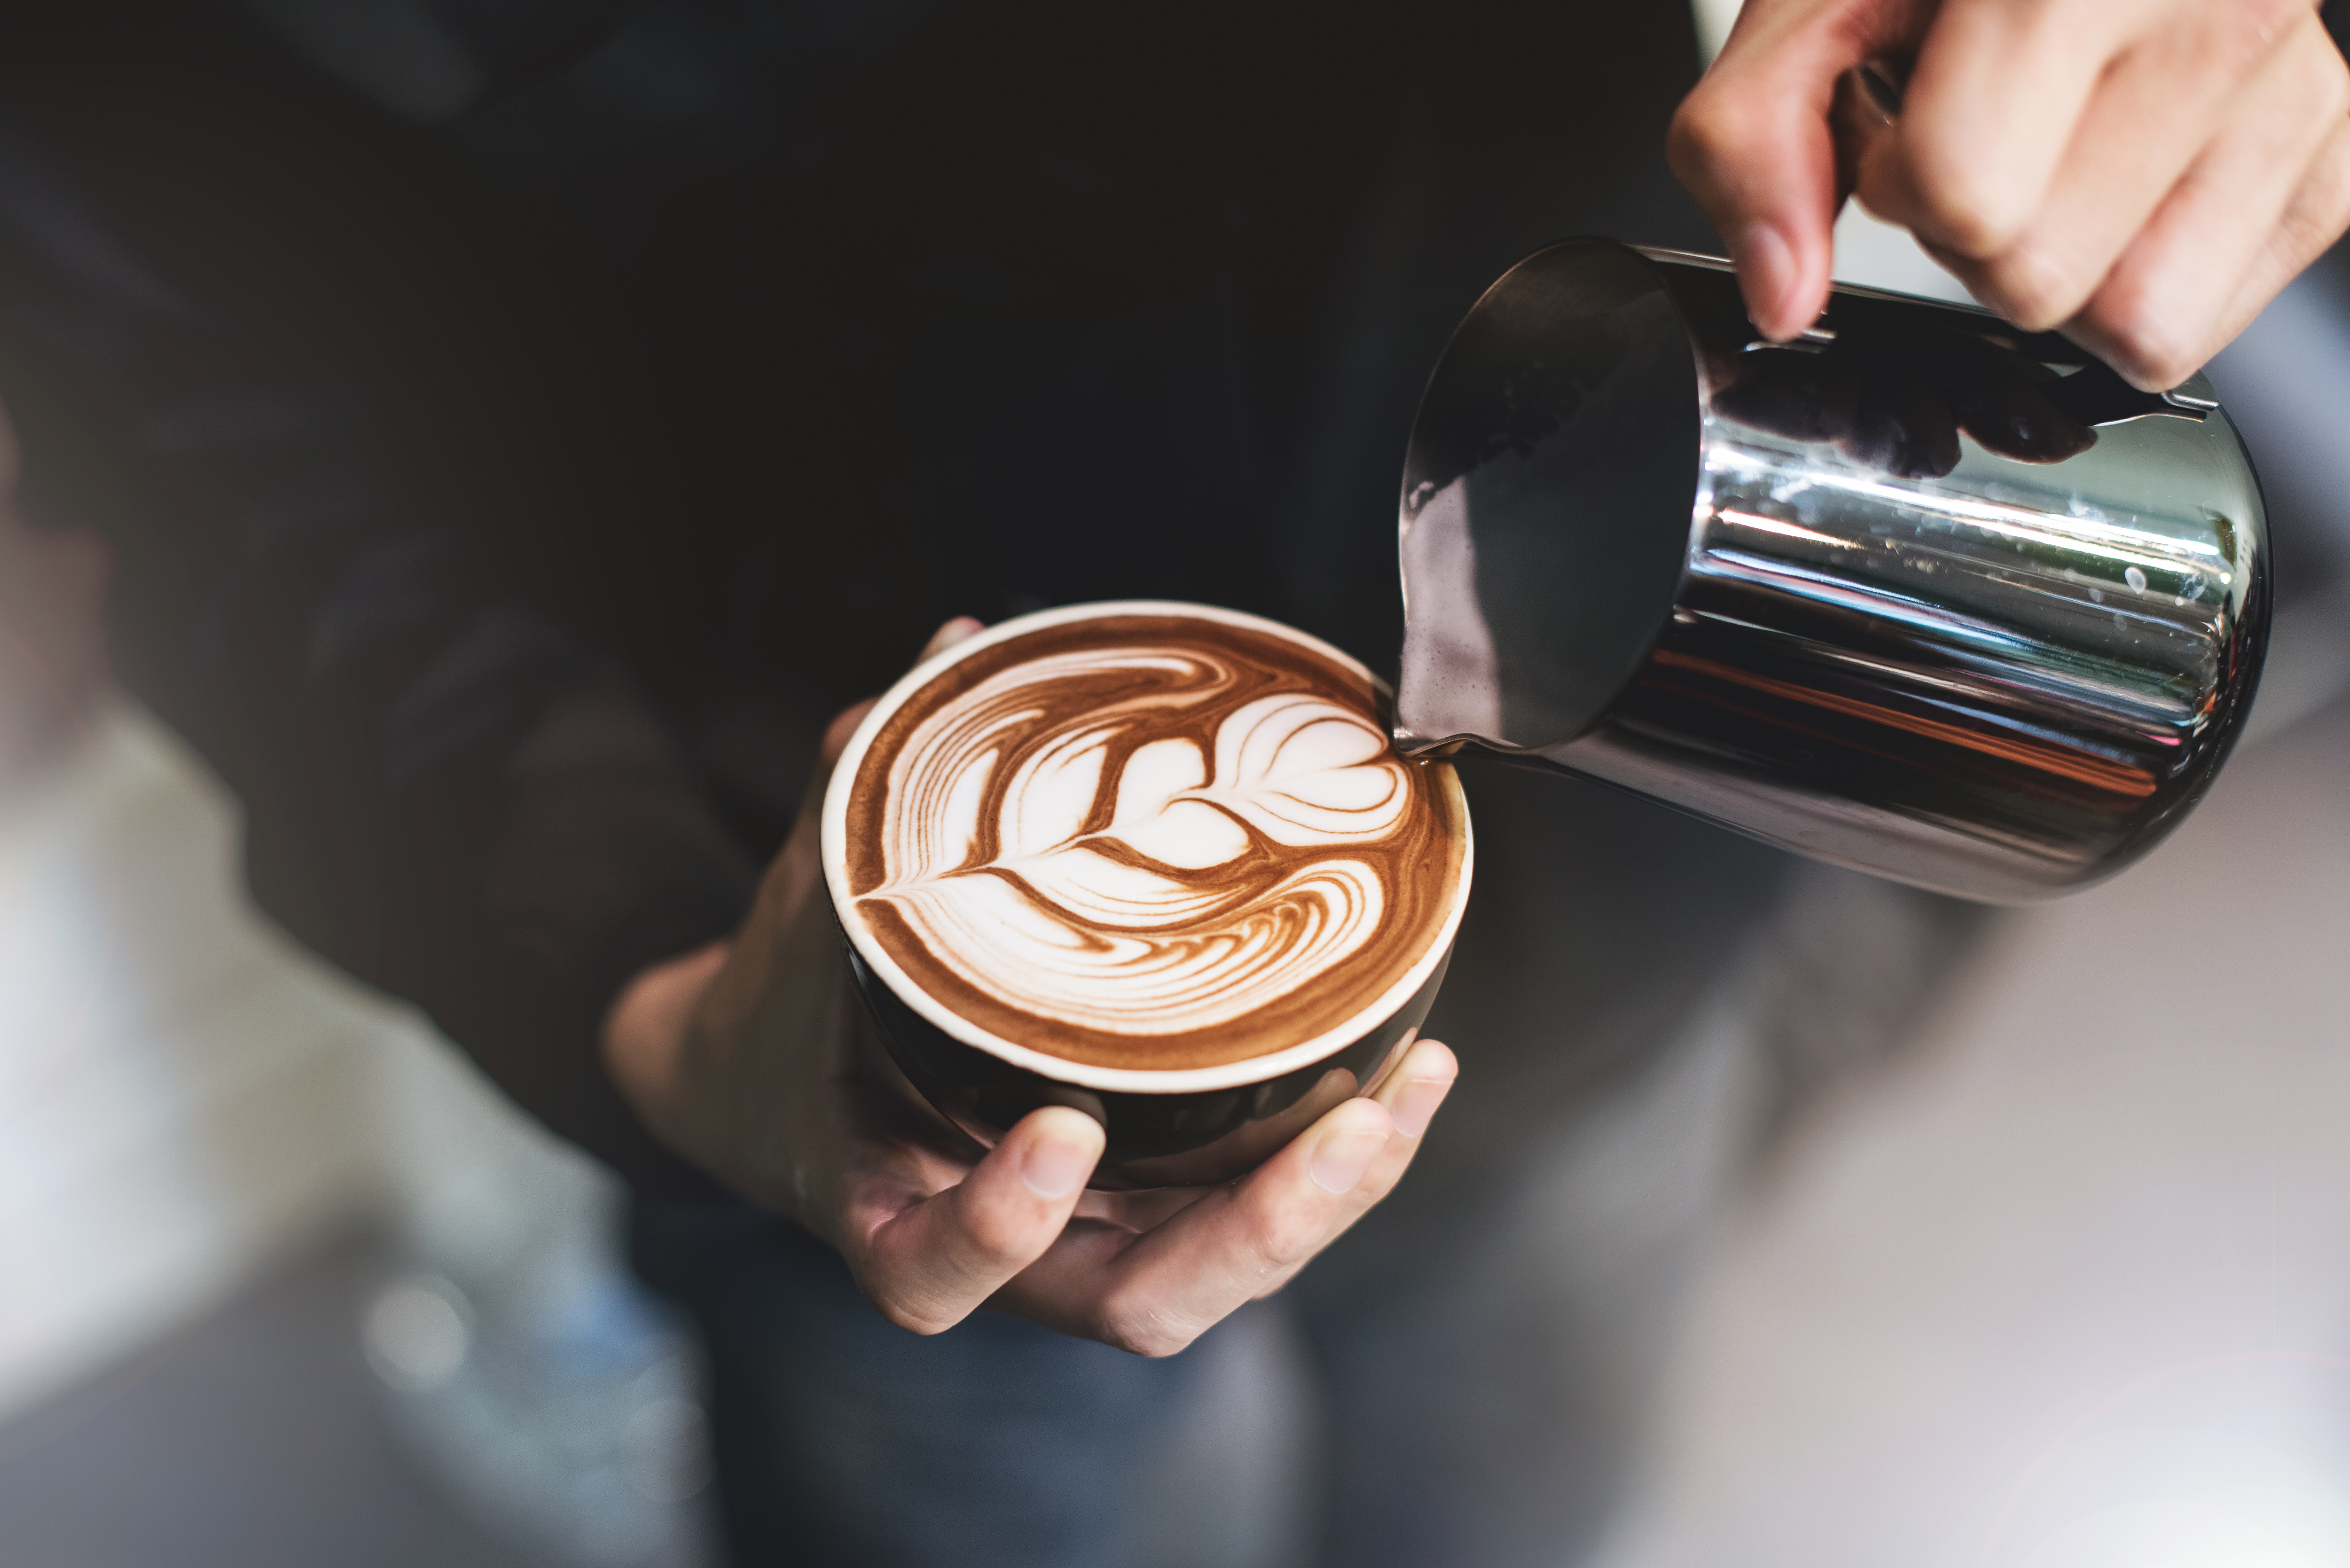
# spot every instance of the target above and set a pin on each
(1766, 272)
(1339, 1163)
(1416, 1103)
(1055, 1168)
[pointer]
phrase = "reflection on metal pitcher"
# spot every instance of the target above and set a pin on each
(1920, 593)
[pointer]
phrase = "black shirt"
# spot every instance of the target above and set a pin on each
(516, 441)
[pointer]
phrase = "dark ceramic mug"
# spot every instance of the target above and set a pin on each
(1164, 1129)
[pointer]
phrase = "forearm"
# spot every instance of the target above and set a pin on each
(644, 1035)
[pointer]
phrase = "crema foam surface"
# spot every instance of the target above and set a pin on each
(1150, 842)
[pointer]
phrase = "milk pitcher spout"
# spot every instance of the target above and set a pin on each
(1919, 593)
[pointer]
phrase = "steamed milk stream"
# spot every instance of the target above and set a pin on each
(1150, 842)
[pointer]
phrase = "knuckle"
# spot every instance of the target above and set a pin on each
(1385, 1175)
(2249, 28)
(1140, 1328)
(2312, 229)
(915, 1323)
(992, 1240)
(2317, 214)
(2331, 88)
(836, 734)
(2145, 344)
(913, 1317)
(2034, 19)
(1280, 1238)
(1707, 131)
(2032, 290)
(2159, 367)
(1958, 204)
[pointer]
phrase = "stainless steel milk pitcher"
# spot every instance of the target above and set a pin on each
(1918, 594)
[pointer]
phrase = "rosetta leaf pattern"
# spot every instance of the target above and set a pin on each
(1137, 883)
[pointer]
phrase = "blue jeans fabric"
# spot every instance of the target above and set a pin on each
(842, 1438)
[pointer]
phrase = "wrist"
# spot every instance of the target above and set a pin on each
(645, 1031)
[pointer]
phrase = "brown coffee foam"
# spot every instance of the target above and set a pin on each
(1418, 864)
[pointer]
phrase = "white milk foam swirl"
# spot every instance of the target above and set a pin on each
(1051, 925)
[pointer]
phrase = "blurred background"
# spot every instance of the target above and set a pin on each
(2060, 1279)
(281, 1279)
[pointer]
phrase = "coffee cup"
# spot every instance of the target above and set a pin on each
(1154, 861)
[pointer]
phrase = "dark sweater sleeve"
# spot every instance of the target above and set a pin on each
(445, 794)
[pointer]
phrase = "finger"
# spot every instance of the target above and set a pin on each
(1154, 1294)
(836, 736)
(2174, 298)
(2209, 85)
(1416, 1087)
(1989, 111)
(2316, 219)
(928, 1261)
(1751, 143)
(948, 635)
(845, 722)
(794, 872)
(1412, 1094)
(801, 847)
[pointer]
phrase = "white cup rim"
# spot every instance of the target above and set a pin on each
(1189, 1079)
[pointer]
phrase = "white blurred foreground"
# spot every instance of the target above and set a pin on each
(189, 1103)
(180, 1097)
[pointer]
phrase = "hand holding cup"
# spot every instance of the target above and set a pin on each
(757, 1059)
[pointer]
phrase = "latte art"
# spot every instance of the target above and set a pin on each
(1150, 842)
